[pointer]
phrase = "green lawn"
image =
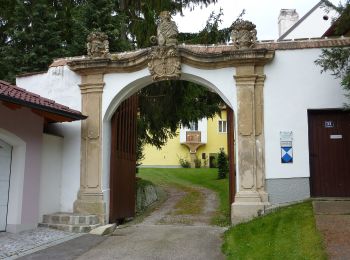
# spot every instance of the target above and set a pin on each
(185, 179)
(288, 233)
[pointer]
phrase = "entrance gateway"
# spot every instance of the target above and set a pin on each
(109, 79)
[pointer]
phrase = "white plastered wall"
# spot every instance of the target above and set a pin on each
(313, 26)
(50, 177)
(293, 85)
(62, 85)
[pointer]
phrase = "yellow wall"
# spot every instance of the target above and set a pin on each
(170, 154)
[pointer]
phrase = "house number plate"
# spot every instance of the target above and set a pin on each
(328, 124)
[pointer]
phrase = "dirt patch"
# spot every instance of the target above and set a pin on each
(167, 214)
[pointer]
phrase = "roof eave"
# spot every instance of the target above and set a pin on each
(68, 115)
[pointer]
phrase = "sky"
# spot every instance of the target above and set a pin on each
(263, 13)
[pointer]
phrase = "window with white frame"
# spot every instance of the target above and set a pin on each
(193, 126)
(222, 126)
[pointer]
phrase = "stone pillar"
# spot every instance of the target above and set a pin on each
(90, 196)
(248, 201)
(259, 134)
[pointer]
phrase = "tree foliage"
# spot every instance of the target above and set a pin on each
(337, 60)
(34, 32)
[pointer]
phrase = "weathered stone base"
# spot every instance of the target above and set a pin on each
(245, 211)
(91, 207)
(247, 205)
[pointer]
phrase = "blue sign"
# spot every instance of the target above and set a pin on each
(286, 154)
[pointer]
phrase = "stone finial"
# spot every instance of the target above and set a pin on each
(167, 31)
(243, 34)
(97, 45)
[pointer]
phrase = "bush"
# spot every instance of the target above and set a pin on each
(197, 162)
(184, 163)
(222, 164)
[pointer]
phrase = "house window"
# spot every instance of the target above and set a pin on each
(222, 126)
(194, 126)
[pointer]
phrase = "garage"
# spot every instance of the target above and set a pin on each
(329, 147)
(5, 172)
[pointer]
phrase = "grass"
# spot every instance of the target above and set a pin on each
(288, 233)
(185, 179)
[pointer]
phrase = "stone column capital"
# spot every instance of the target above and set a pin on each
(86, 88)
(245, 80)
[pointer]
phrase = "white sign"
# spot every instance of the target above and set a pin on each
(336, 136)
(286, 136)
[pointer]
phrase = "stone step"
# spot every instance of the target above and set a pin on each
(331, 207)
(75, 228)
(70, 219)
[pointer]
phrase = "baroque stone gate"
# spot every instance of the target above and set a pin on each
(165, 61)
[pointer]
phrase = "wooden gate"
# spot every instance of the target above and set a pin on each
(329, 141)
(123, 161)
(231, 154)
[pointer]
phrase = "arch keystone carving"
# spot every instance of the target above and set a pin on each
(164, 63)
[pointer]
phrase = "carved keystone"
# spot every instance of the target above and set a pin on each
(164, 63)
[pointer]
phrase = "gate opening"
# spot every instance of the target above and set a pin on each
(123, 157)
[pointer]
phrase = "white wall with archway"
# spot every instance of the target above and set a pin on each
(120, 86)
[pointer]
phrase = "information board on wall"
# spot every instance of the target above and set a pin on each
(286, 143)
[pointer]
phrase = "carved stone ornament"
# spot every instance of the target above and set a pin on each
(243, 34)
(166, 31)
(164, 63)
(97, 45)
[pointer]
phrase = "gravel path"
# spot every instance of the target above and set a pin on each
(165, 214)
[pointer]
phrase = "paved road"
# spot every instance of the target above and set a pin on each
(162, 235)
(333, 220)
(166, 235)
(160, 242)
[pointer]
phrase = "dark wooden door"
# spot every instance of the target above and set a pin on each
(329, 141)
(123, 161)
(231, 154)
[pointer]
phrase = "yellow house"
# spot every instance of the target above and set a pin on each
(202, 140)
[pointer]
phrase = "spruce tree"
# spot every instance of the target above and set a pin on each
(222, 164)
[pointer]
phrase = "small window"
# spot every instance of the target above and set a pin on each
(222, 126)
(194, 126)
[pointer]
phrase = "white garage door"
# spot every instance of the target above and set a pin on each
(5, 169)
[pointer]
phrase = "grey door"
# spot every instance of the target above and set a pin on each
(5, 171)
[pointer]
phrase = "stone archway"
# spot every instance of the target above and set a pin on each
(165, 62)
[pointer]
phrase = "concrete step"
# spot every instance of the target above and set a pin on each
(76, 228)
(331, 207)
(70, 219)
